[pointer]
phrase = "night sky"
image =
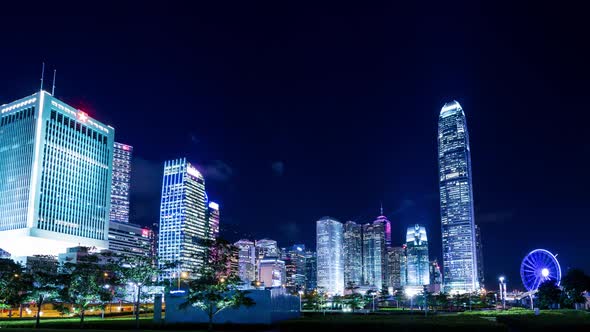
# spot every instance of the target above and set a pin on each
(296, 111)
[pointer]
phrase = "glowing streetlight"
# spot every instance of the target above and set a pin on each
(502, 292)
(300, 295)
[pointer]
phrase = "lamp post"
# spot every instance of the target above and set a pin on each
(300, 295)
(502, 287)
(181, 275)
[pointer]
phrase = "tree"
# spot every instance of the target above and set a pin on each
(442, 300)
(575, 283)
(43, 284)
(138, 271)
(400, 296)
(12, 285)
(215, 287)
(549, 294)
(84, 285)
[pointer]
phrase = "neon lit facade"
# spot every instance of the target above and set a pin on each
(183, 218)
(353, 259)
(330, 260)
(121, 182)
(418, 264)
(55, 177)
(460, 273)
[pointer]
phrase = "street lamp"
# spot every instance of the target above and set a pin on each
(502, 287)
(180, 276)
(300, 295)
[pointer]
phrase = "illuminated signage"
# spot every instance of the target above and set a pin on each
(18, 105)
(81, 116)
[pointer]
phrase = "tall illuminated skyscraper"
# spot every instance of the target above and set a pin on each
(330, 260)
(353, 258)
(213, 219)
(183, 218)
(479, 249)
(121, 182)
(375, 254)
(55, 177)
(456, 201)
(418, 264)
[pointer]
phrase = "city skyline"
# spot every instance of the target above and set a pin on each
(334, 110)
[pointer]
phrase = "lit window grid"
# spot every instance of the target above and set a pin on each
(183, 222)
(121, 182)
(456, 199)
(73, 171)
(330, 263)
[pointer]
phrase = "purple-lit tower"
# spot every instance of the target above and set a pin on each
(386, 226)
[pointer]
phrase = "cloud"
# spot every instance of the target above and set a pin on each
(278, 168)
(495, 217)
(404, 205)
(217, 171)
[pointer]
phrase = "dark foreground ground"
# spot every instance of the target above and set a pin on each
(513, 321)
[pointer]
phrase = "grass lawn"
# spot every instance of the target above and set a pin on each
(479, 321)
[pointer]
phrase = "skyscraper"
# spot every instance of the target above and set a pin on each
(294, 258)
(396, 255)
(353, 258)
(479, 248)
(418, 264)
(246, 261)
(213, 219)
(375, 254)
(121, 182)
(435, 277)
(183, 218)
(311, 271)
(330, 260)
(55, 177)
(456, 201)
(272, 272)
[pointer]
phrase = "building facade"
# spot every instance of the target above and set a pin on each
(418, 264)
(479, 250)
(246, 261)
(375, 255)
(183, 227)
(311, 270)
(272, 272)
(456, 201)
(396, 263)
(294, 258)
(213, 220)
(435, 277)
(129, 239)
(330, 260)
(353, 258)
(121, 182)
(55, 177)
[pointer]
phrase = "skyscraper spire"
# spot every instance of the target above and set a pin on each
(381, 202)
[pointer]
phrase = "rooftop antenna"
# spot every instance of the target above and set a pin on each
(53, 87)
(42, 73)
(381, 202)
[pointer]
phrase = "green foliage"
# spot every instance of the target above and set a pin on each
(216, 288)
(355, 301)
(85, 284)
(12, 284)
(549, 294)
(574, 283)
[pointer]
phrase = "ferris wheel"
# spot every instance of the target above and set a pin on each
(537, 267)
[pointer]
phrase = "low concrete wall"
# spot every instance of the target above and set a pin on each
(272, 305)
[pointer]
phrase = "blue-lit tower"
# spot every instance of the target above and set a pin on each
(55, 177)
(330, 256)
(460, 273)
(183, 219)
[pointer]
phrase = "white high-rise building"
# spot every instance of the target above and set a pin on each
(121, 182)
(246, 261)
(418, 264)
(330, 260)
(183, 219)
(55, 177)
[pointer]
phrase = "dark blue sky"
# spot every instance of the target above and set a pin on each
(295, 111)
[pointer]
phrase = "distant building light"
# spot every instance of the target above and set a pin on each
(214, 205)
(193, 171)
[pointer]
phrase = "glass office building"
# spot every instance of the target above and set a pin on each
(213, 219)
(246, 261)
(183, 219)
(121, 182)
(129, 239)
(330, 260)
(456, 202)
(55, 177)
(417, 262)
(353, 258)
(375, 254)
